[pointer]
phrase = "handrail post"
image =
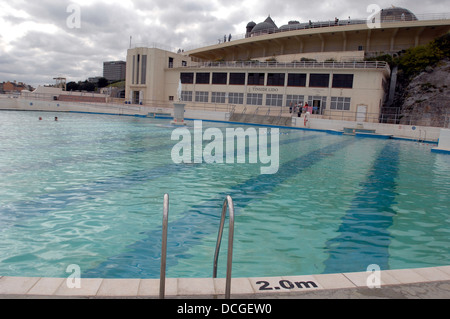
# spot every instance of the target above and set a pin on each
(228, 203)
(162, 279)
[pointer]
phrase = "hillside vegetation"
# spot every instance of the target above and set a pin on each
(422, 92)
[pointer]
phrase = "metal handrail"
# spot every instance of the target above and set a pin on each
(320, 24)
(296, 64)
(228, 203)
(162, 279)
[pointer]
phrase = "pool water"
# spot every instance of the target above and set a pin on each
(88, 190)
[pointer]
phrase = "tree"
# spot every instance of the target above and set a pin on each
(415, 60)
(87, 86)
(102, 82)
(72, 86)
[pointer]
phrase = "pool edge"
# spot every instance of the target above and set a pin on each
(260, 287)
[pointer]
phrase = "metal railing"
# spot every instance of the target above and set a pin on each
(290, 65)
(321, 24)
(228, 203)
(162, 279)
(327, 114)
(154, 45)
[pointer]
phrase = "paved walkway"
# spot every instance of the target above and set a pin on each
(420, 283)
(428, 290)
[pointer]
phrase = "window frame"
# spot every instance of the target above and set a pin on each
(203, 78)
(256, 79)
(218, 79)
(276, 79)
(254, 99)
(235, 78)
(202, 96)
(274, 99)
(318, 82)
(345, 82)
(292, 82)
(189, 76)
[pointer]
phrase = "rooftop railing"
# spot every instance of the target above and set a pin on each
(324, 24)
(291, 27)
(300, 65)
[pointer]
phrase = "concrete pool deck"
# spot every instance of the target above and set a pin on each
(421, 283)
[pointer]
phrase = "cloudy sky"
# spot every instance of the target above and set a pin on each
(40, 40)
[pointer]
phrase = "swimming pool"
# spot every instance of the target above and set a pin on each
(88, 190)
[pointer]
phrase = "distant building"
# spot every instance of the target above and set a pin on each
(13, 87)
(94, 79)
(114, 70)
(61, 83)
(321, 64)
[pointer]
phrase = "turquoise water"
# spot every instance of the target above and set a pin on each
(89, 189)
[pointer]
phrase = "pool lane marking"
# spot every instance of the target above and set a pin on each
(12, 213)
(364, 232)
(187, 230)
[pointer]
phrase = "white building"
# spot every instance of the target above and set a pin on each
(321, 64)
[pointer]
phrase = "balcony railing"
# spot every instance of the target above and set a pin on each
(324, 24)
(300, 65)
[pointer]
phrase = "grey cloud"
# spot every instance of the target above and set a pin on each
(106, 29)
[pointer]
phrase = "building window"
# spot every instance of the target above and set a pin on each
(219, 78)
(187, 78)
(276, 79)
(133, 69)
(144, 70)
(295, 99)
(343, 81)
(297, 79)
(202, 78)
(340, 103)
(202, 97)
(138, 68)
(236, 98)
(218, 97)
(254, 99)
(256, 78)
(237, 78)
(186, 96)
(319, 80)
(171, 98)
(274, 100)
(170, 63)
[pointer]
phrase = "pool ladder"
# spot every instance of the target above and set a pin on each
(227, 205)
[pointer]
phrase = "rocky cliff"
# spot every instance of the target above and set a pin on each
(426, 100)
